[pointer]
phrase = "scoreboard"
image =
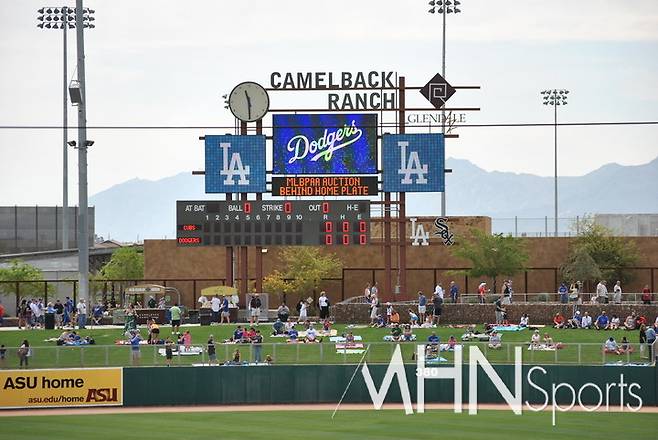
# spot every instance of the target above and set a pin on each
(265, 223)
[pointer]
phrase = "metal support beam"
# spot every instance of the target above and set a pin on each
(259, 249)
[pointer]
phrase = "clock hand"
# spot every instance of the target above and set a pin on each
(248, 103)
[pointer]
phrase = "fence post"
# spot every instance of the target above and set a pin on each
(297, 358)
(508, 351)
(274, 352)
(579, 355)
(57, 348)
(321, 353)
(82, 356)
(107, 356)
(516, 226)
(545, 226)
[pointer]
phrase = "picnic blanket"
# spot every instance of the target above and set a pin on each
(348, 346)
(193, 351)
(509, 328)
(544, 347)
(342, 339)
(446, 347)
(76, 343)
(475, 337)
(319, 333)
(435, 360)
(124, 342)
(389, 338)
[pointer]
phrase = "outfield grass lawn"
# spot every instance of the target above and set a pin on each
(105, 353)
(357, 425)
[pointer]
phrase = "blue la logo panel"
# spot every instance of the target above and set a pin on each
(413, 162)
(235, 164)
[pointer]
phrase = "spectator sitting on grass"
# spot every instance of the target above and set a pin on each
(494, 341)
(277, 327)
(614, 322)
(630, 323)
(187, 340)
(408, 333)
(452, 342)
(311, 335)
(283, 312)
(292, 334)
(396, 332)
(236, 356)
(394, 318)
(525, 320)
(349, 338)
(535, 340)
(248, 335)
(602, 322)
(586, 321)
(433, 339)
(380, 322)
(575, 320)
(548, 341)
(626, 347)
(237, 334)
(611, 347)
(326, 326)
(558, 320)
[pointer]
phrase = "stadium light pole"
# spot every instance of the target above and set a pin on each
(555, 97)
(61, 18)
(444, 7)
(83, 19)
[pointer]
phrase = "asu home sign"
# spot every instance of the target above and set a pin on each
(61, 388)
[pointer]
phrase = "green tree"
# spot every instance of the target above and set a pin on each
(580, 266)
(126, 263)
(491, 255)
(613, 255)
(20, 271)
(304, 268)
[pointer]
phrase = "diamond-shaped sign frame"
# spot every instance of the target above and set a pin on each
(437, 91)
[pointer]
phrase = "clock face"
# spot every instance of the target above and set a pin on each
(249, 101)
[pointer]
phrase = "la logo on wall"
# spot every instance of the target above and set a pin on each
(413, 162)
(418, 234)
(235, 164)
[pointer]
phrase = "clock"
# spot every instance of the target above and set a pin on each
(249, 101)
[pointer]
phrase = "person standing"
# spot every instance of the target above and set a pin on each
(257, 342)
(2, 313)
(500, 310)
(212, 353)
(643, 340)
(36, 314)
(422, 306)
(303, 310)
(225, 314)
(374, 290)
(24, 353)
(254, 309)
(59, 313)
(215, 305)
(323, 303)
(482, 292)
(169, 351)
(135, 339)
(283, 312)
(68, 312)
(82, 313)
(646, 295)
(438, 290)
(564, 293)
(175, 318)
(617, 293)
(454, 292)
(651, 339)
(367, 292)
(507, 292)
(438, 309)
(602, 292)
(374, 309)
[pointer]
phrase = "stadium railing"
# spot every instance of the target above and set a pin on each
(309, 354)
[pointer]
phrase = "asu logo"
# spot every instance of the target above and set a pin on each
(102, 395)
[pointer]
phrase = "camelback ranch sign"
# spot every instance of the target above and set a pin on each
(325, 144)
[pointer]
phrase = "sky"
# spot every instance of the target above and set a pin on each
(159, 63)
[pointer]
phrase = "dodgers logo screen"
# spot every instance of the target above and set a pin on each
(235, 164)
(413, 162)
(325, 144)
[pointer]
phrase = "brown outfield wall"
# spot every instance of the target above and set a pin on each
(426, 265)
(539, 313)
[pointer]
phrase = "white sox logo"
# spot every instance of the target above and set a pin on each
(234, 167)
(443, 230)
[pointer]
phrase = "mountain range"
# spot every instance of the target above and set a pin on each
(140, 209)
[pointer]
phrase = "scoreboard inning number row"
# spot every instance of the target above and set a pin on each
(264, 223)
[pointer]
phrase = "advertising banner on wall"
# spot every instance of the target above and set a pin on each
(413, 162)
(325, 144)
(61, 388)
(235, 164)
